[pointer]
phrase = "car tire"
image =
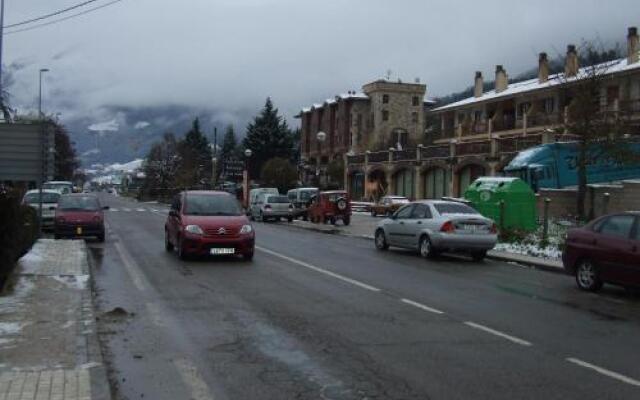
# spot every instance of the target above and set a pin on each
(381, 240)
(290, 219)
(478, 255)
(248, 256)
(181, 253)
(425, 248)
(168, 246)
(346, 221)
(101, 238)
(333, 220)
(587, 276)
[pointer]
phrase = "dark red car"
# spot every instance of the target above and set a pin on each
(330, 207)
(208, 223)
(605, 250)
(79, 215)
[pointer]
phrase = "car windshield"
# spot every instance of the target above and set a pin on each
(63, 187)
(306, 194)
(454, 208)
(334, 196)
(277, 199)
(203, 204)
(79, 203)
(32, 198)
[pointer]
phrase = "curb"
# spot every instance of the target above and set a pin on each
(100, 387)
(543, 265)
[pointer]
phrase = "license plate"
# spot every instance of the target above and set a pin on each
(218, 251)
(472, 228)
(79, 230)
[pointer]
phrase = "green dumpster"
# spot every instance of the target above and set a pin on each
(487, 193)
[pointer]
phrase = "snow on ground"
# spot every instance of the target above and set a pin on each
(530, 249)
(74, 281)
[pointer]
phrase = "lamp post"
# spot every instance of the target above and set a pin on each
(321, 136)
(43, 154)
(245, 178)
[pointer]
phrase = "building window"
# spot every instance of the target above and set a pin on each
(416, 101)
(549, 105)
(414, 117)
(385, 98)
(385, 115)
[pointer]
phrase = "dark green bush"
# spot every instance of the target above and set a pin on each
(18, 231)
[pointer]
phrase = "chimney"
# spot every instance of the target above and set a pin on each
(502, 82)
(571, 64)
(478, 85)
(633, 49)
(543, 68)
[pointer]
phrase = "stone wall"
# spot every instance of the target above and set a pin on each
(621, 197)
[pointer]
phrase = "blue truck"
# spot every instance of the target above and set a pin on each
(554, 165)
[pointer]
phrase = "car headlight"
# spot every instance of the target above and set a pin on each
(195, 229)
(246, 229)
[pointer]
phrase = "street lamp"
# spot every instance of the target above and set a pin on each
(43, 155)
(321, 136)
(245, 177)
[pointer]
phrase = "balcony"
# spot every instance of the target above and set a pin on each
(403, 155)
(431, 152)
(378, 156)
(517, 144)
(355, 159)
(473, 148)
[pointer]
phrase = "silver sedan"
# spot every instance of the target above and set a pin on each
(432, 226)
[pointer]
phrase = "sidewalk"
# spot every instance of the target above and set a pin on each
(363, 226)
(48, 340)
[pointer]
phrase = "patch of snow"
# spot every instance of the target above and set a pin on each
(530, 249)
(74, 281)
(10, 328)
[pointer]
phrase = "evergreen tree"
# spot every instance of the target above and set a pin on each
(195, 159)
(268, 136)
(229, 144)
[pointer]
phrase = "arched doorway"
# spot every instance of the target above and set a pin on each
(356, 185)
(376, 184)
(437, 183)
(403, 183)
(468, 174)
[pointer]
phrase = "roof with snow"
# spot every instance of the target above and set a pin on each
(607, 68)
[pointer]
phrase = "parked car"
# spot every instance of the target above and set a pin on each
(63, 187)
(434, 226)
(271, 206)
(253, 197)
(49, 204)
(607, 250)
(79, 215)
(208, 223)
(388, 205)
(301, 198)
(330, 207)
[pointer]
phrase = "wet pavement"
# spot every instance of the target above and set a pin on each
(319, 316)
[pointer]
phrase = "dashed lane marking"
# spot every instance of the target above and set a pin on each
(422, 306)
(113, 210)
(498, 333)
(126, 209)
(604, 371)
(140, 209)
(320, 270)
(136, 277)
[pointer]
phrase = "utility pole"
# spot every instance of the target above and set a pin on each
(1, 48)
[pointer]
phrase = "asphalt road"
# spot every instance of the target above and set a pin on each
(319, 316)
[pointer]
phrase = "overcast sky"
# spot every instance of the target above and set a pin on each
(232, 54)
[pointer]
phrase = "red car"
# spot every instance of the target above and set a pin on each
(208, 223)
(330, 207)
(79, 215)
(605, 250)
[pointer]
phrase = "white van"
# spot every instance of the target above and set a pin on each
(253, 198)
(299, 198)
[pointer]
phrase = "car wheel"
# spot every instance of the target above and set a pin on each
(333, 220)
(168, 246)
(305, 217)
(426, 248)
(346, 220)
(478, 255)
(248, 256)
(101, 238)
(290, 219)
(381, 240)
(182, 254)
(587, 276)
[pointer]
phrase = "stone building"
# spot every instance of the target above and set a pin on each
(479, 135)
(385, 114)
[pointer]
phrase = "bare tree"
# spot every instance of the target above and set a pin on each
(594, 116)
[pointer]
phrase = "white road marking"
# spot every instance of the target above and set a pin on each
(114, 210)
(140, 209)
(422, 306)
(154, 210)
(193, 380)
(604, 371)
(498, 333)
(318, 269)
(126, 209)
(138, 280)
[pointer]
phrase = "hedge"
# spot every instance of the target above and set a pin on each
(18, 231)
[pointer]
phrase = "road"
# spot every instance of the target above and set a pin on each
(319, 316)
